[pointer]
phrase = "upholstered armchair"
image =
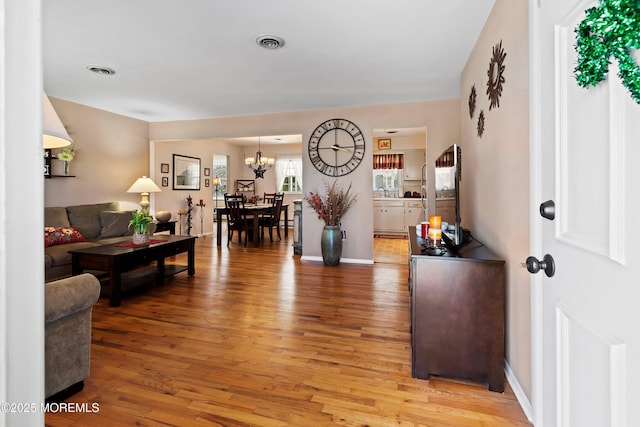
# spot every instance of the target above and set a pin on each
(67, 316)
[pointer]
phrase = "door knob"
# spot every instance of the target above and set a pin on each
(548, 210)
(547, 264)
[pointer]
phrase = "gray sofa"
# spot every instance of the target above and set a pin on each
(67, 315)
(98, 224)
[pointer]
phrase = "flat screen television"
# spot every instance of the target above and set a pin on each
(449, 166)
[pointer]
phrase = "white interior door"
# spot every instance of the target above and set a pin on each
(586, 158)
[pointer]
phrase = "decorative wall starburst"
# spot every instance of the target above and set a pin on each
(496, 75)
(481, 123)
(472, 101)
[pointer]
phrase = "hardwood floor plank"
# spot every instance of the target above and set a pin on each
(260, 338)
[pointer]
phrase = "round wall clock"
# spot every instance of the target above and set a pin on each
(336, 147)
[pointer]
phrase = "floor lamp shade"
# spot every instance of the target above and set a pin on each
(54, 135)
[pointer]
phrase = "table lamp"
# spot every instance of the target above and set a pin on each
(144, 186)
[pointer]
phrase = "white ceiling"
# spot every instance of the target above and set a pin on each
(193, 59)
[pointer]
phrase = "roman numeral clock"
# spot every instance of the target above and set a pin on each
(336, 147)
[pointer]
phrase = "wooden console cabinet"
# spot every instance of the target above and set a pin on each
(457, 313)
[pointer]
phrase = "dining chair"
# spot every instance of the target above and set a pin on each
(268, 197)
(236, 219)
(271, 220)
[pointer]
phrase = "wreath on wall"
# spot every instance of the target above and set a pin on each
(495, 75)
(610, 29)
(480, 126)
(472, 101)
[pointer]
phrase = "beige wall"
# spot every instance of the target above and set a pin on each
(441, 119)
(112, 151)
(495, 186)
(204, 149)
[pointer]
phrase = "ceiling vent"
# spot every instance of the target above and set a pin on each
(269, 42)
(99, 69)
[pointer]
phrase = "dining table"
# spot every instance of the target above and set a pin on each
(255, 210)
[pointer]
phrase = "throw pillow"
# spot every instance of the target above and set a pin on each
(61, 235)
(115, 223)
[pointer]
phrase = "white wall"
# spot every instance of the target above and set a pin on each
(495, 186)
(21, 213)
(441, 118)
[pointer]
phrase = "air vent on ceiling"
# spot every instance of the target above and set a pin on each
(269, 42)
(99, 69)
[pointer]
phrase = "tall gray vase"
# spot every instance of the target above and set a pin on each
(331, 243)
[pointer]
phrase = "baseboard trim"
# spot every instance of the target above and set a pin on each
(518, 391)
(342, 260)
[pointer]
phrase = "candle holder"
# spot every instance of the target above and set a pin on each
(180, 214)
(202, 204)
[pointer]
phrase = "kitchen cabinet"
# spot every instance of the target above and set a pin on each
(413, 213)
(395, 215)
(413, 161)
(388, 216)
(446, 208)
(457, 313)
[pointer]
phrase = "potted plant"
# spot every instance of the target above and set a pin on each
(331, 208)
(140, 223)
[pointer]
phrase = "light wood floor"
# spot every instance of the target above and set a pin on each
(391, 250)
(260, 338)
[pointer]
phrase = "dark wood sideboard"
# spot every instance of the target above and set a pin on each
(457, 313)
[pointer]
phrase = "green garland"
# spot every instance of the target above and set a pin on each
(611, 29)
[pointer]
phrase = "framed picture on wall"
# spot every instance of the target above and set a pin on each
(164, 167)
(206, 182)
(384, 144)
(186, 172)
(207, 171)
(165, 181)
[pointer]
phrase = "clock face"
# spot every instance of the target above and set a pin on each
(336, 147)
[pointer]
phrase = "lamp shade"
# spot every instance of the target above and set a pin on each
(144, 185)
(216, 181)
(54, 135)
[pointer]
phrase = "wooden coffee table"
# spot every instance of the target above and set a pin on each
(117, 259)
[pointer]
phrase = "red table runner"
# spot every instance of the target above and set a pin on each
(133, 245)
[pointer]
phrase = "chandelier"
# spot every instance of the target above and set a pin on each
(259, 164)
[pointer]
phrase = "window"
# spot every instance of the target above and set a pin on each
(387, 179)
(221, 172)
(289, 173)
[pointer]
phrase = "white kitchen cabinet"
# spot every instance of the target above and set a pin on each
(413, 213)
(394, 216)
(388, 216)
(446, 208)
(413, 161)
